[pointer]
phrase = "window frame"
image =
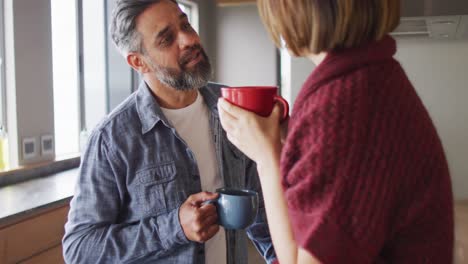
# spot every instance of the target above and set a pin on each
(81, 77)
(3, 116)
(194, 13)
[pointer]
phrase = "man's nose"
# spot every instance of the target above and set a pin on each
(188, 40)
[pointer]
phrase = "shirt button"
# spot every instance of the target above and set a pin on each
(201, 251)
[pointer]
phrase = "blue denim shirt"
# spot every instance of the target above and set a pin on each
(135, 173)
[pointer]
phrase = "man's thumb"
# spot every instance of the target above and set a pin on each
(201, 197)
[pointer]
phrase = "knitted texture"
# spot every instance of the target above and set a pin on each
(363, 168)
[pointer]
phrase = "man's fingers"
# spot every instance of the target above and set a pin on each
(209, 220)
(205, 227)
(204, 219)
(208, 233)
(207, 209)
(198, 220)
(212, 230)
(232, 139)
(198, 198)
(207, 215)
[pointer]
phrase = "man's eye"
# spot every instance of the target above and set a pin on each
(166, 41)
(187, 26)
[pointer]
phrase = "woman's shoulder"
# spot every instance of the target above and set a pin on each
(316, 98)
(361, 84)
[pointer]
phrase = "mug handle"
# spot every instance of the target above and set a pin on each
(285, 105)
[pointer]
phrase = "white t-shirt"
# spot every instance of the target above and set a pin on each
(192, 123)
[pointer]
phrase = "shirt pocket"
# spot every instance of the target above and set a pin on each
(157, 189)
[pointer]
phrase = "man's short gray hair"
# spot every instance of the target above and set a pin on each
(123, 27)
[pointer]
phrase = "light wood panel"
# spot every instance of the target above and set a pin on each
(2, 247)
(32, 236)
(51, 256)
(461, 232)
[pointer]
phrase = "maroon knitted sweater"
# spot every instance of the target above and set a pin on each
(363, 169)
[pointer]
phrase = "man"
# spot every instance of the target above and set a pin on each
(148, 165)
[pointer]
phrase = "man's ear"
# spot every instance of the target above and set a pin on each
(138, 62)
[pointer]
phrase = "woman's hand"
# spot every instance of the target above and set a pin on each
(258, 137)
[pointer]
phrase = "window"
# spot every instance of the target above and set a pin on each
(2, 68)
(3, 137)
(80, 78)
(65, 76)
(94, 99)
(191, 10)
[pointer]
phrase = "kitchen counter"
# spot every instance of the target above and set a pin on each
(22, 200)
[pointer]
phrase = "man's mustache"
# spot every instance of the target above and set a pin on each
(191, 54)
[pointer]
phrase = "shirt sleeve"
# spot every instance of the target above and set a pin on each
(338, 189)
(93, 234)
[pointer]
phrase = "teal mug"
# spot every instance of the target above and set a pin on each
(237, 208)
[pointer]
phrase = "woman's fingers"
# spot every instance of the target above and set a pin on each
(233, 110)
(233, 140)
(227, 120)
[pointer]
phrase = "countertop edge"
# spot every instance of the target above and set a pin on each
(26, 214)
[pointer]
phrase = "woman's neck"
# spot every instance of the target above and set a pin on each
(317, 58)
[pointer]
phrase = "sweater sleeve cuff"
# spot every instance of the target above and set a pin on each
(170, 230)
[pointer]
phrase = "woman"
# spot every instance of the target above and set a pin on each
(362, 176)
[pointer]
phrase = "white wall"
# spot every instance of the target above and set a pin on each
(439, 72)
(245, 54)
(296, 70)
(207, 27)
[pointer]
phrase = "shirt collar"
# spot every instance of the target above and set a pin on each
(210, 98)
(150, 113)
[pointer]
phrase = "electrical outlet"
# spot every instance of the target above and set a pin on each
(29, 148)
(47, 145)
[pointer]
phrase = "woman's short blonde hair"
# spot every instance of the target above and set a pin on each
(314, 26)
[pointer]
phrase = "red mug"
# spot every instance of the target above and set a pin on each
(257, 99)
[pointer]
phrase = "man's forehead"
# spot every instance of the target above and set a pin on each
(159, 15)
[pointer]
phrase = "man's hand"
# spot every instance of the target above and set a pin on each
(199, 222)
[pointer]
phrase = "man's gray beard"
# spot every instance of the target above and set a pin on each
(184, 80)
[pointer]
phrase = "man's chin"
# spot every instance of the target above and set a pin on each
(203, 71)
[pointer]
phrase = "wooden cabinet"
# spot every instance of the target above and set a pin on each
(36, 239)
(461, 232)
(53, 255)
